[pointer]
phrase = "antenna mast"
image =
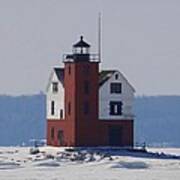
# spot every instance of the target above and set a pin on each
(99, 36)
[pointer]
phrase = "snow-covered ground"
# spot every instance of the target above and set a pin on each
(16, 163)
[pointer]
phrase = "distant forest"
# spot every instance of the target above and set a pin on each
(157, 120)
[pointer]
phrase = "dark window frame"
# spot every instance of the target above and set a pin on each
(54, 87)
(86, 87)
(52, 133)
(52, 107)
(86, 107)
(69, 69)
(61, 113)
(116, 76)
(69, 108)
(115, 108)
(86, 70)
(116, 88)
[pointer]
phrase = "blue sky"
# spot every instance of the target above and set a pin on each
(140, 38)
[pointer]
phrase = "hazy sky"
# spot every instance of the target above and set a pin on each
(140, 38)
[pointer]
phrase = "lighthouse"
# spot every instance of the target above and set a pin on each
(81, 84)
(88, 107)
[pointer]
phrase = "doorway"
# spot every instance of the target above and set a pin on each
(115, 135)
(60, 137)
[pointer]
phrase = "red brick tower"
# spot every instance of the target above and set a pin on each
(81, 96)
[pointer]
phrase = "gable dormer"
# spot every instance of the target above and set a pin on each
(56, 80)
(55, 94)
(115, 96)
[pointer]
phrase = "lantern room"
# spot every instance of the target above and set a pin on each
(81, 53)
(81, 47)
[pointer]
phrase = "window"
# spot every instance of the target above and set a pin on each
(69, 108)
(52, 107)
(115, 108)
(86, 107)
(86, 70)
(55, 87)
(86, 87)
(52, 133)
(69, 69)
(61, 113)
(116, 88)
(81, 50)
(116, 76)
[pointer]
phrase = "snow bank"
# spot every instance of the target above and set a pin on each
(50, 163)
(86, 164)
(131, 165)
(9, 165)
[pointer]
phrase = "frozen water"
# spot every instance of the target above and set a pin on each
(16, 163)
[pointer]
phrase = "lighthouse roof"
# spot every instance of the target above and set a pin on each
(81, 43)
(60, 74)
(104, 76)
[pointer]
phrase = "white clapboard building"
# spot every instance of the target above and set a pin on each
(115, 95)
